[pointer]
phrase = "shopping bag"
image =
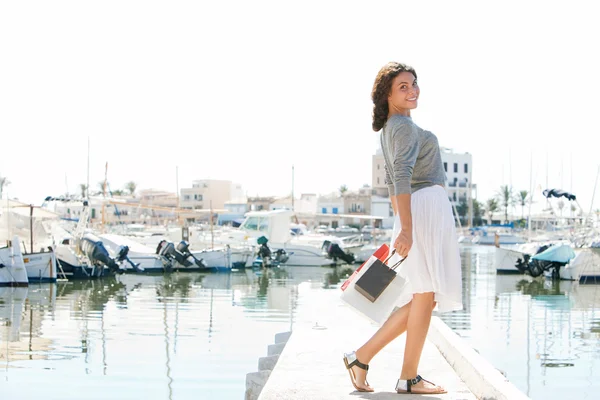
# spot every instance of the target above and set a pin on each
(381, 253)
(375, 280)
(380, 309)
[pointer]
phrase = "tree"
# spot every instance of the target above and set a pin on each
(83, 188)
(561, 205)
(131, 186)
(118, 192)
(491, 207)
(343, 190)
(462, 209)
(3, 183)
(505, 195)
(478, 209)
(522, 198)
(102, 186)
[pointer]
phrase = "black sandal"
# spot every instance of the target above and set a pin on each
(350, 361)
(405, 386)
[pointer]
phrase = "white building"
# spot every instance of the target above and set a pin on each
(307, 203)
(378, 174)
(459, 169)
(237, 206)
(330, 204)
(381, 206)
(207, 193)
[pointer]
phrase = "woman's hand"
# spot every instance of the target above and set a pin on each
(403, 243)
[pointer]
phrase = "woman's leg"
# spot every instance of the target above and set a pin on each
(391, 329)
(417, 326)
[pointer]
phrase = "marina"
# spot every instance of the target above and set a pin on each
(111, 332)
(199, 200)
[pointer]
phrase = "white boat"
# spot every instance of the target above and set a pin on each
(491, 238)
(224, 258)
(145, 256)
(507, 257)
(41, 267)
(12, 267)
(585, 267)
(303, 250)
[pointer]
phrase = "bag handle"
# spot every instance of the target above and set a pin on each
(397, 264)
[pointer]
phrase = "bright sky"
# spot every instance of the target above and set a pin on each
(242, 90)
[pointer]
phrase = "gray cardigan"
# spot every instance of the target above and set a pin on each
(412, 156)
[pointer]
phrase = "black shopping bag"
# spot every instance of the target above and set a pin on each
(377, 278)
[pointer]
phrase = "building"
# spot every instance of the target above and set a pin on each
(381, 206)
(208, 193)
(160, 198)
(459, 169)
(378, 174)
(307, 204)
(260, 203)
(358, 203)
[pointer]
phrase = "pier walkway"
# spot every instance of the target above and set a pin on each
(310, 365)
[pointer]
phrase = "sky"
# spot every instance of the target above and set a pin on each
(243, 90)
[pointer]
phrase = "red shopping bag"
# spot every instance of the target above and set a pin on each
(381, 253)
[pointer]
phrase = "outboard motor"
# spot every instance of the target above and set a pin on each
(183, 248)
(95, 251)
(547, 258)
(180, 254)
(266, 258)
(334, 251)
(122, 255)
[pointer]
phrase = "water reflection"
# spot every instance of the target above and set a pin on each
(149, 336)
(174, 336)
(542, 335)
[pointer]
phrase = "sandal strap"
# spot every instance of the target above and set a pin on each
(352, 361)
(409, 384)
(359, 365)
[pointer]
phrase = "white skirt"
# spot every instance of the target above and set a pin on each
(433, 262)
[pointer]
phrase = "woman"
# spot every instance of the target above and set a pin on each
(423, 230)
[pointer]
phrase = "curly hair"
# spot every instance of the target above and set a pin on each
(381, 91)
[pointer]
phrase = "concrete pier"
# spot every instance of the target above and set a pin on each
(311, 366)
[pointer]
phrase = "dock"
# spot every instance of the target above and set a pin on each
(309, 365)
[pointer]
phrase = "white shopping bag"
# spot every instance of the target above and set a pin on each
(379, 310)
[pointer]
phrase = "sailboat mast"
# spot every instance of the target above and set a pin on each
(87, 188)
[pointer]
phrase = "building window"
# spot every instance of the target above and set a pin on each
(391, 211)
(466, 168)
(198, 197)
(378, 180)
(446, 167)
(455, 167)
(454, 195)
(335, 210)
(324, 210)
(378, 167)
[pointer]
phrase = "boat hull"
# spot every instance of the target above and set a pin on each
(41, 267)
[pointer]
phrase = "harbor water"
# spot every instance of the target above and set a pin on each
(195, 336)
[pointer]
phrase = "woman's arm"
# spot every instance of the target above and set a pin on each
(406, 149)
(403, 242)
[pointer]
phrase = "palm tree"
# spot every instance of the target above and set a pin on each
(3, 182)
(505, 195)
(83, 188)
(462, 209)
(343, 189)
(131, 187)
(478, 209)
(102, 185)
(491, 207)
(522, 200)
(561, 205)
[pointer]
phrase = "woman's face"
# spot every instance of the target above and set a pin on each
(404, 92)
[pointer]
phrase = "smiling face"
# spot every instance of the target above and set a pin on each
(404, 94)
